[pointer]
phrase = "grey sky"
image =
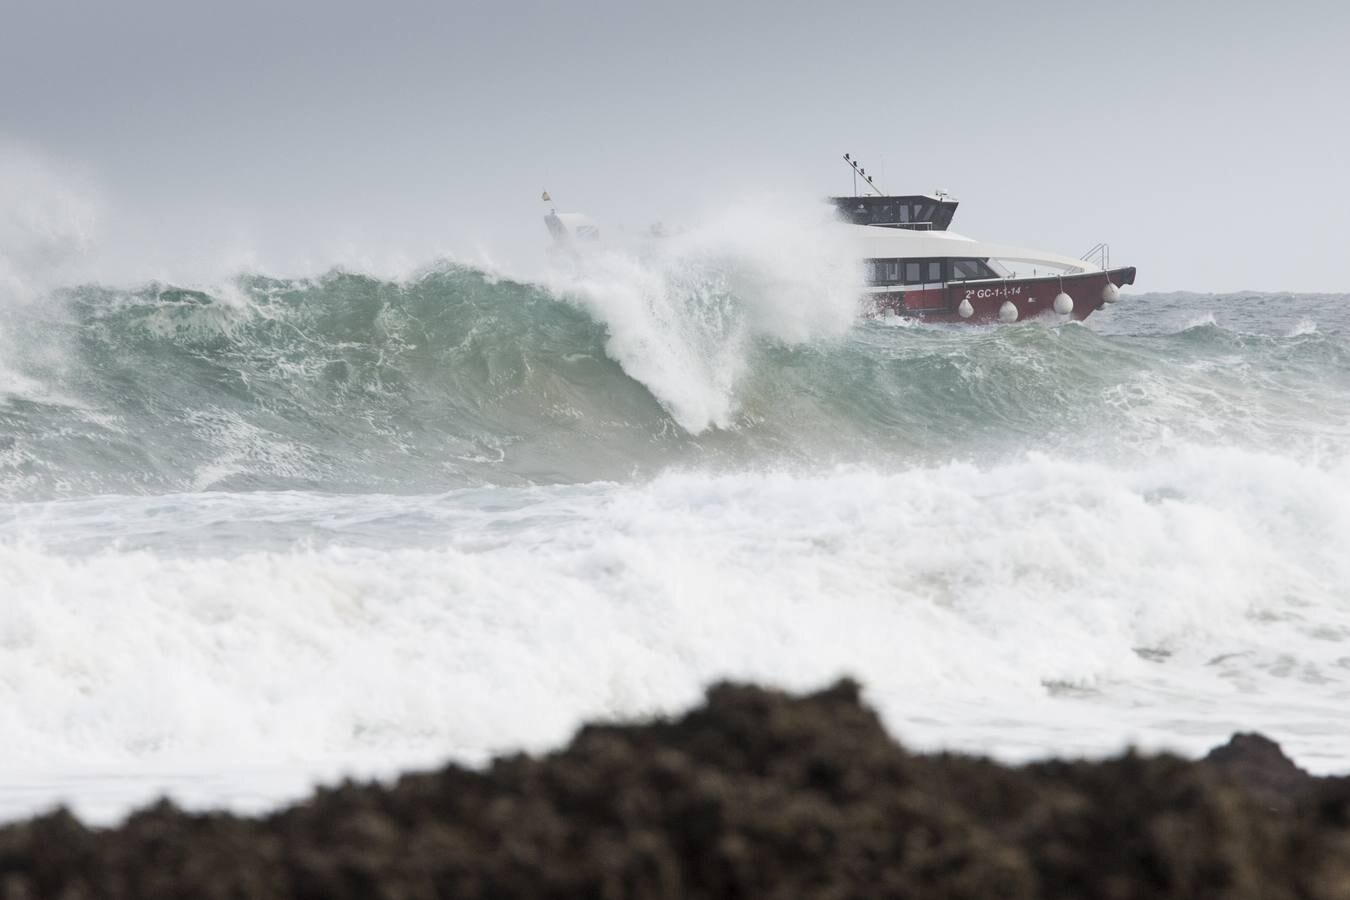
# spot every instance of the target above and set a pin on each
(1205, 141)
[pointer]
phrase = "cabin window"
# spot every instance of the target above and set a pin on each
(967, 269)
(885, 271)
(912, 275)
(934, 267)
(963, 269)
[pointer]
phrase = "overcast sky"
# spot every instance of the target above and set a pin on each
(1207, 142)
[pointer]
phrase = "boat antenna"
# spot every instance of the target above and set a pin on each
(547, 199)
(859, 170)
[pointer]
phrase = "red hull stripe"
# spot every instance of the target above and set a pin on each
(1030, 296)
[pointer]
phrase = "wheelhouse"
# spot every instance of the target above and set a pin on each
(914, 213)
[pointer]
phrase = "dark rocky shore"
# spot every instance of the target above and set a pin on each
(755, 794)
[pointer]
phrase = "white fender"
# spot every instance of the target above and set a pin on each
(1063, 303)
(1110, 293)
(1007, 312)
(965, 310)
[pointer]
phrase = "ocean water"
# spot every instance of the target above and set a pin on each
(271, 531)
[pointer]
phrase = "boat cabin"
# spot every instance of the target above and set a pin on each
(915, 213)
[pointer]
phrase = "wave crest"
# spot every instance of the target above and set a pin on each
(458, 377)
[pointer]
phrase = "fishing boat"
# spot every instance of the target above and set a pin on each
(916, 266)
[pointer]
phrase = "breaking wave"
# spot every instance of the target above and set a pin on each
(459, 377)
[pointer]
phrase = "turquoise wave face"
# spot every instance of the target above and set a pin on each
(457, 378)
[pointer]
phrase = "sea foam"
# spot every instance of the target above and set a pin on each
(1040, 603)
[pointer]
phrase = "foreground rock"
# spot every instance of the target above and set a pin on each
(756, 794)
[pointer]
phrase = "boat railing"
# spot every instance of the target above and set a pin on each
(1099, 255)
(908, 226)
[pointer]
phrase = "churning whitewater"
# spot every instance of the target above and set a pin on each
(260, 534)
